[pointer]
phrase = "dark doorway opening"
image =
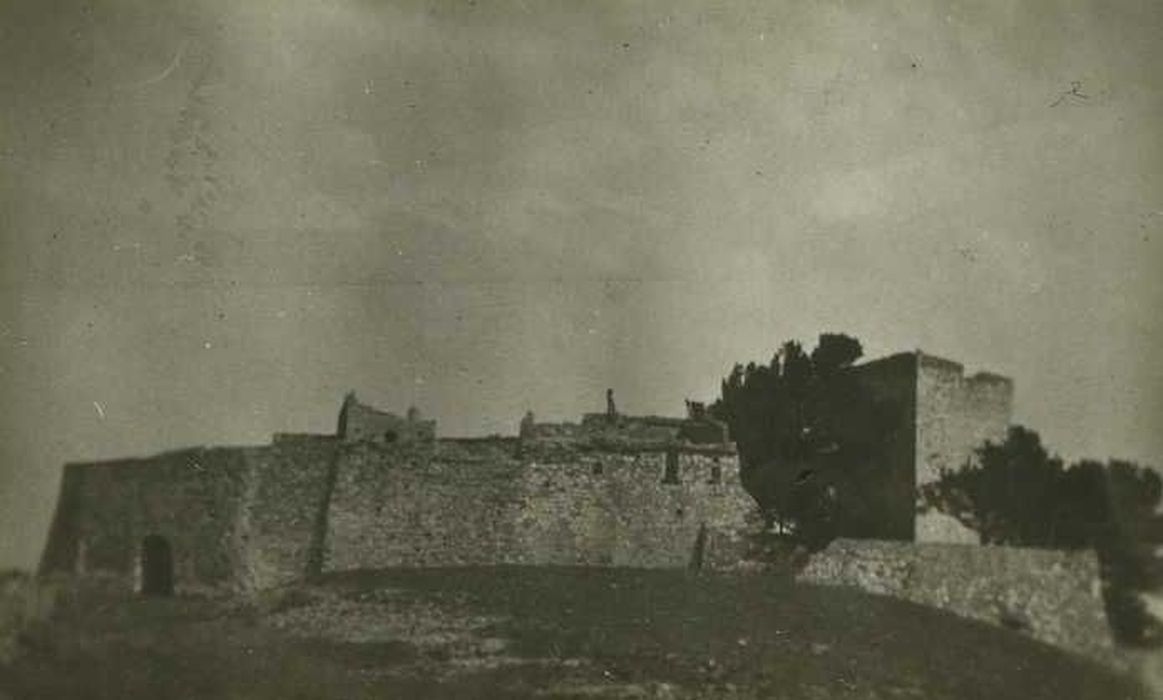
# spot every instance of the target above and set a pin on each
(157, 566)
(671, 474)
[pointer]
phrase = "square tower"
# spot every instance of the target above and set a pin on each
(941, 417)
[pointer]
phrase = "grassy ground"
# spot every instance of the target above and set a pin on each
(497, 633)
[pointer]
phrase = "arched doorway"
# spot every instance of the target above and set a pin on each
(157, 566)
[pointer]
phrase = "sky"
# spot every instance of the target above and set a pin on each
(217, 217)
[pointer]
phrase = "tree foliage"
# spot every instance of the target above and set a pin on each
(1017, 493)
(786, 416)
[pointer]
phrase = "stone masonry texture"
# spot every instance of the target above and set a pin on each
(1053, 596)
(401, 507)
(249, 518)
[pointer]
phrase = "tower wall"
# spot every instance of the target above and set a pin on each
(932, 417)
(956, 414)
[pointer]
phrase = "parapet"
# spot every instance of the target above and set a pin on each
(978, 386)
(621, 432)
(910, 363)
(940, 363)
(300, 438)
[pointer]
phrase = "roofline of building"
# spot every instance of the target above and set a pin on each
(921, 357)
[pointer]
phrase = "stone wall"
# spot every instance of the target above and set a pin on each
(1054, 596)
(401, 506)
(619, 509)
(956, 415)
(280, 528)
(256, 517)
(234, 518)
(192, 498)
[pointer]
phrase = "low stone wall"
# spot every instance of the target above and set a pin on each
(1054, 596)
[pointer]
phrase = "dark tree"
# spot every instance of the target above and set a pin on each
(1010, 496)
(835, 351)
(783, 417)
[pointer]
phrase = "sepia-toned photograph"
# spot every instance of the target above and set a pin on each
(581, 349)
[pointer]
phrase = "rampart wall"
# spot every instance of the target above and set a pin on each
(395, 506)
(255, 517)
(1054, 596)
(282, 522)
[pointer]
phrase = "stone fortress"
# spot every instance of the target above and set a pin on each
(385, 491)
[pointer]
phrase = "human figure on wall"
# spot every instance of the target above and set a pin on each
(611, 410)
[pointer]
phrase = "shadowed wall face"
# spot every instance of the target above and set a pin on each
(191, 500)
(878, 493)
(231, 518)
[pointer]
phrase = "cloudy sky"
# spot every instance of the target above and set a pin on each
(218, 216)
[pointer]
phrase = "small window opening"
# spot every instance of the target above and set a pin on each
(390, 436)
(598, 469)
(716, 474)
